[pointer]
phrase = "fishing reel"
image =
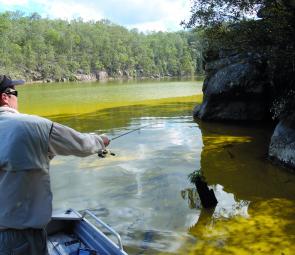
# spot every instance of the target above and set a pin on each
(104, 153)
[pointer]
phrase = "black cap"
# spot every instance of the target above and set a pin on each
(6, 82)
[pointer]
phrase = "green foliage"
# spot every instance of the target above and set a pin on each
(210, 13)
(195, 175)
(267, 27)
(57, 49)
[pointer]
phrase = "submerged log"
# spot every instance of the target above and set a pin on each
(207, 196)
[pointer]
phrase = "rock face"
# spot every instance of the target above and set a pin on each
(234, 89)
(85, 77)
(282, 145)
(101, 75)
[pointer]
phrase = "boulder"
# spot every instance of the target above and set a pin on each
(127, 74)
(119, 73)
(282, 145)
(36, 76)
(235, 89)
(85, 77)
(101, 75)
(80, 71)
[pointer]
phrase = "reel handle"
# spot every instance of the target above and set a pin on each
(104, 153)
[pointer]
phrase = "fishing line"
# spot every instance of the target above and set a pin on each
(133, 130)
(104, 153)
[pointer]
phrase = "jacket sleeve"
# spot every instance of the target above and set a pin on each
(67, 141)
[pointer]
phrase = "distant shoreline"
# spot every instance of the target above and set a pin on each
(109, 79)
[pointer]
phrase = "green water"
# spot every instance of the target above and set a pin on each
(144, 193)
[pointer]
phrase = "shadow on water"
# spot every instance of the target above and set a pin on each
(235, 157)
(256, 209)
(108, 120)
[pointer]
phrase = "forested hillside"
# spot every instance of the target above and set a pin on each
(42, 49)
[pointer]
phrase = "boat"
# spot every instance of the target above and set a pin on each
(74, 233)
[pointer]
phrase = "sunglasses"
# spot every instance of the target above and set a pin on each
(11, 92)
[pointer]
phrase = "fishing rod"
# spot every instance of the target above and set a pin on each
(133, 130)
(105, 152)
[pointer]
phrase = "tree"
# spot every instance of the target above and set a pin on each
(263, 26)
(209, 13)
(41, 48)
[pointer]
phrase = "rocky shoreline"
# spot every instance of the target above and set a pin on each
(81, 76)
(236, 88)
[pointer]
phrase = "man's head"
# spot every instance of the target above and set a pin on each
(8, 94)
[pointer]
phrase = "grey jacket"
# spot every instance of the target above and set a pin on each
(26, 144)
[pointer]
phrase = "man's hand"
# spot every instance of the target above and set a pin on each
(105, 140)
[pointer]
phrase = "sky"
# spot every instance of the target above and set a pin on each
(145, 15)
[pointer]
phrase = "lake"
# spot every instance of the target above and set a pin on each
(144, 192)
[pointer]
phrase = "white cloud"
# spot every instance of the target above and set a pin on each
(149, 26)
(154, 14)
(141, 14)
(71, 9)
(13, 2)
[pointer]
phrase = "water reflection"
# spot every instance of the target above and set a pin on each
(140, 186)
(255, 213)
(263, 232)
(192, 198)
(144, 193)
(235, 157)
(116, 119)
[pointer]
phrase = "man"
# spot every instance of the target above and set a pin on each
(27, 143)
